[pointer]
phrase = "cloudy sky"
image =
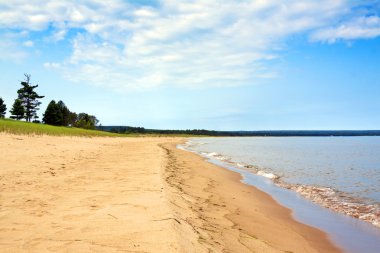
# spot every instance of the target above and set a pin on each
(225, 65)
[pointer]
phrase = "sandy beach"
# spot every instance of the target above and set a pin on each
(71, 194)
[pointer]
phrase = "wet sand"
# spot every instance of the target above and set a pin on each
(70, 194)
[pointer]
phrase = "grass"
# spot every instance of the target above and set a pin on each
(25, 128)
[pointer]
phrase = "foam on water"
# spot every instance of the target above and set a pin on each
(267, 175)
(341, 228)
(354, 204)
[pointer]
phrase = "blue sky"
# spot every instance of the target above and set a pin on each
(224, 65)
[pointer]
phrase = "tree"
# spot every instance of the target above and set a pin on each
(65, 119)
(86, 121)
(3, 108)
(17, 110)
(58, 114)
(29, 98)
(53, 114)
(72, 118)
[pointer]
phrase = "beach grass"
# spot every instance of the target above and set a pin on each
(25, 128)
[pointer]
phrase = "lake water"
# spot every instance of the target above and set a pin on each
(339, 173)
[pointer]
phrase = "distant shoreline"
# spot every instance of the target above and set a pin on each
(258, 133)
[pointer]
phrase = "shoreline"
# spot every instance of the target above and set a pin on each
(327, 196)
(253, 213)
(135, 194)
(339, 227)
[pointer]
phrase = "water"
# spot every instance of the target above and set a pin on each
(340, 173)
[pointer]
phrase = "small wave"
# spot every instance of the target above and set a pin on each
(215, 155)
(338, 201)
(212, 154)
(324, 196)
(267, 175)
(192, 144)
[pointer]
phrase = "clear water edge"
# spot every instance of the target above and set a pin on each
(342, 174)
(350, 234)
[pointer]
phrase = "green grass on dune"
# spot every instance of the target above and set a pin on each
(25, 128)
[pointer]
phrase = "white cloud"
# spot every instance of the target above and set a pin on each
(204, 43)
(362, 27)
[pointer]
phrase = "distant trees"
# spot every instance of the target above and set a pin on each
(17, 111)
(3, 108)
(58, 114)
(72, 118)
(65, 118)
(27, 104)
(53, 115)
(86, 121)
(29, 99)
(141, 130)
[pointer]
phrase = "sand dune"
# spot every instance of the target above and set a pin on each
(70, 194)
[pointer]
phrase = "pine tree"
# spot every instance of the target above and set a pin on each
(3, 108)
(53, 114)
(29, 98)
(65, 113)
(17, 110)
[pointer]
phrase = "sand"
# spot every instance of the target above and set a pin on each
(71, 194)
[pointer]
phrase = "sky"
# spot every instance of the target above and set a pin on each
(222, 65)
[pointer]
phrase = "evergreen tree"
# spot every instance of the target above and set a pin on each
(65, 120)
(53, 114)
(29, 98)
(3, 108)
(17, 110)
(58, 114)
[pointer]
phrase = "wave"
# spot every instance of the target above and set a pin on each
(338, 201)
(324, 196)
(267, 175)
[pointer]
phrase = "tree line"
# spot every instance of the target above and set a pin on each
(261, 133)
(142, 130)
(27, 104)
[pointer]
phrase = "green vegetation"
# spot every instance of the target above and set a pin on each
(157, 132)
(202, 132)
(17, 110)
(3, 108)
(29, 99)
(20, 127)
(57, 114)
(83, 120)
(53, 115)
